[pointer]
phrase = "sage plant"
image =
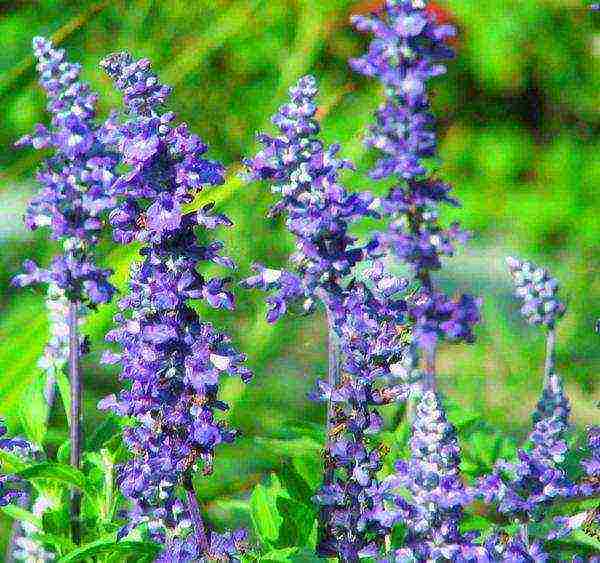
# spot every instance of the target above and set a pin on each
(70, 203)
(408, 51)
(366, 366)
(433, 510)
(172, 359)
(525, 489)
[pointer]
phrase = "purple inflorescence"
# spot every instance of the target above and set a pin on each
(11, 486)
(171, 358)
(364, 317)
(407, 52)
(523, 489)
(506, 548)
(538, 290)
(318, 209)
(223, 547)
(75, 180)
(375, 372)
(433, 508)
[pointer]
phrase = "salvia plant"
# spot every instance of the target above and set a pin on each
(131, 490)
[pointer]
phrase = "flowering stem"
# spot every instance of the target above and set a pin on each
(550, 354)
(196, 516)
(430, 383)
(524, 530)
(75, 430)
(333, 379)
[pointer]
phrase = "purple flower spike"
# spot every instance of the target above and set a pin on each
(172, 359)
(306, 175)
(406, 53)
(525, 488)
(368, 363)
(538, 292)
(433, 511)
(75, 180)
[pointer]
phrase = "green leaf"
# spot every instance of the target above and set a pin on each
(264, 513)
(104, 433)
(18, 513)
(64, 389)
(63, 454)
(112, 547)
(11, 463)
(57, 472)
(285, 554)
(295, 484)
(298, 522)
(33, 410)
(56, 523)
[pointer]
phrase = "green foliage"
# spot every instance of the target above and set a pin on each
(519, 139)
(283, 515)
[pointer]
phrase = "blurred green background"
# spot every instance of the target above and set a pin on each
(518, 124)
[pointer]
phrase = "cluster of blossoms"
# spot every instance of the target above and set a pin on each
(437, 496)
(376, 370)
(538, 291)
(318, 208)
(368, 363)
(11, 486)
(524, 490)
(74, 181)
(407, 52)
(27, 547)
(171, 358)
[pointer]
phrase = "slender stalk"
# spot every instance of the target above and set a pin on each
(430, 383)
(196, 517)
(333, 379)
(75, 430)
(550, 354)
(524, 531)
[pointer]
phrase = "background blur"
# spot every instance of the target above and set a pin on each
(519, 123)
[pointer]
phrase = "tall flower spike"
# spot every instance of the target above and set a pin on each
(74, 195)
(375, 373)
(437, 496)
(172, 359)
(407, 52)
(75, 181)
(366, 366)
(524, 489)
(317, 207)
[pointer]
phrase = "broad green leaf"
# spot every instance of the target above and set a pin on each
(57, 472)
(112, 547)
(110, 427)
(18, 513)
(264, 513)
(285, 554)
(298, 522)
(56, 523)
(294, 484)
(33, 410)
(11, 463)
